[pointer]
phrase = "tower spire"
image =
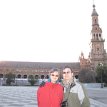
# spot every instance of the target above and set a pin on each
(94, 13)
(93, 2)
(93, 5)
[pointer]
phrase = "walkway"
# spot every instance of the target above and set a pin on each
(26, 97)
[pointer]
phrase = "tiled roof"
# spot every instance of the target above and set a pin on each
(47, 65)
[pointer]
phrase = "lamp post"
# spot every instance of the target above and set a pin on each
(101, 76)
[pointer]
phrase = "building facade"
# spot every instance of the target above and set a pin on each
(40, 70)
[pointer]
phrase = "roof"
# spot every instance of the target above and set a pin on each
(47, 65)
(94, 13)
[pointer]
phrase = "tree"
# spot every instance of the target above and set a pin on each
(10, 78)
(101, 71)
(31, 80)
(87, 76)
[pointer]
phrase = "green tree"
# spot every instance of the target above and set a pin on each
(101, 71)
(10, 78)
(86, 76)
(31, 80)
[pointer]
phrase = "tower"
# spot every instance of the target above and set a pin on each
(84, 62)
(98, 53)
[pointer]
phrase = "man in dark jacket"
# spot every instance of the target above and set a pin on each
(74, 92)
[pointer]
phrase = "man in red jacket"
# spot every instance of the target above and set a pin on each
(50, 94)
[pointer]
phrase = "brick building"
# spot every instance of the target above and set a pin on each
(37, 69)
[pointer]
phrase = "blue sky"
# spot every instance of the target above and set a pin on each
(48, 30)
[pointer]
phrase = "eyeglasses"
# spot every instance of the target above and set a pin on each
(66, 72)
(54, 75)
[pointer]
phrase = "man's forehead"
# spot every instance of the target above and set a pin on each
(67, 69)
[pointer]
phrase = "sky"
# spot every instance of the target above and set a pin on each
(48, 30)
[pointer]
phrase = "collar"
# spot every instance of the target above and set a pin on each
(69, 84)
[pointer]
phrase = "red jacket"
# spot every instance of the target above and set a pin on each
(50, 95)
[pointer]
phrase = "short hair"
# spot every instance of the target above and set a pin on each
(68, 67)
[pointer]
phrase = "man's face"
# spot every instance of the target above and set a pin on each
(67, 74)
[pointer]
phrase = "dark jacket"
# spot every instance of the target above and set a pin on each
(50, 95)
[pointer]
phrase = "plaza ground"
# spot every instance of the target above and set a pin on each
(21, 96)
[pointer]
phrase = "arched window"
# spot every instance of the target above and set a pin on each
(18, 76)
(1, 75)
(36, 76)
(99, 35)
(42, 76)
(97, 49)
(24, 76)
(95, 20)
(96, 36)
